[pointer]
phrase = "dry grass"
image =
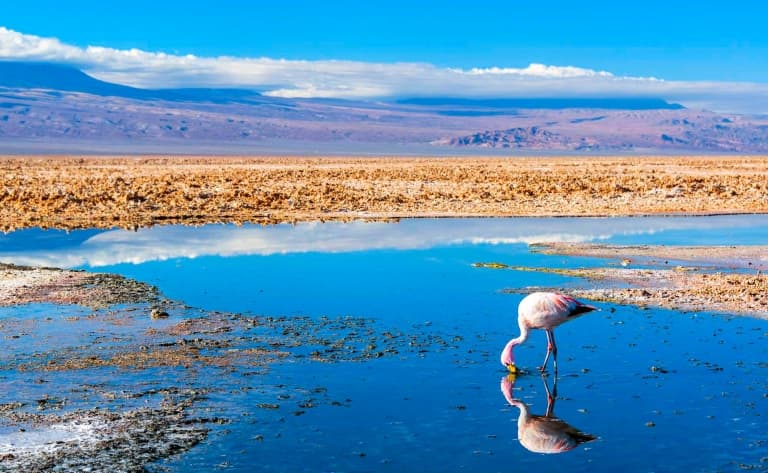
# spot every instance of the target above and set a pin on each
(77, 192)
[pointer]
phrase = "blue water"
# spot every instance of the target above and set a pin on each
(661, 390)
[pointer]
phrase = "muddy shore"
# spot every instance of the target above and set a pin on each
(25, 285)
(732, 257)
(122, 381)
(724, 279)
(130, 192)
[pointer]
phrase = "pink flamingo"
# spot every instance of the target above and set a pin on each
(544, 311)
(547, 433)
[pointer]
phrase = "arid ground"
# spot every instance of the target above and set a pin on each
(104, 192)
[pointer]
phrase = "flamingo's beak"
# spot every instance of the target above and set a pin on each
(512, 368)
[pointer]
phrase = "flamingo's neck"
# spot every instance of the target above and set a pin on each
(507, 357)
(507, 388)
(524, 416)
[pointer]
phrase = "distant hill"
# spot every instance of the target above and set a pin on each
(709, 133)
(56, 107)
(606, 103)
(37, 75)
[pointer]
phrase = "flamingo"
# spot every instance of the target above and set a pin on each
(544, 311)
(547, 433)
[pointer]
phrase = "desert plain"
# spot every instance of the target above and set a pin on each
(103, 192)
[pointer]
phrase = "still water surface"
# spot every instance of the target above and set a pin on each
(661, 390)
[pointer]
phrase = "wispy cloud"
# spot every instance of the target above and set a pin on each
(357, 79)
(538, 70)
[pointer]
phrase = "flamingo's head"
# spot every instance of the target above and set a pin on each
(507, 388)
(508, 358)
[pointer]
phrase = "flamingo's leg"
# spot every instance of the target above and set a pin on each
(551, 396)
(554, 349)
(543, 367)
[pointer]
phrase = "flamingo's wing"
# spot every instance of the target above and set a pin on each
(555, 425)
(572, 306)
(546, 310)
(552, 435)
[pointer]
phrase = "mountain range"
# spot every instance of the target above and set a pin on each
(58, 108)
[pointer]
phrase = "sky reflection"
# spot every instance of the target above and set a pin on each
(94, 249)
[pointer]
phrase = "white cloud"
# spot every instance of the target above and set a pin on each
(539, 70)
(356, 79)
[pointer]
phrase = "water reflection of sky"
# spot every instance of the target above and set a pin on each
(103, 248)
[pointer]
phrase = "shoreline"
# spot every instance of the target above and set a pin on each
(101, 192)
(712, 278)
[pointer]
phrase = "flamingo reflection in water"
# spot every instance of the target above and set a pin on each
(547, 433)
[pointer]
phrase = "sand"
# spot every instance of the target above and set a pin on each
(130, 192)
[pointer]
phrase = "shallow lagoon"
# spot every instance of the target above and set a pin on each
(662, 390)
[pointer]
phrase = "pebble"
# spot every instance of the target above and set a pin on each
(158, 314)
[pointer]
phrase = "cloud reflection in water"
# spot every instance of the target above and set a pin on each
(166, 242)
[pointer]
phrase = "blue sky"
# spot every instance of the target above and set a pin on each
(668, 39)
(702, 54)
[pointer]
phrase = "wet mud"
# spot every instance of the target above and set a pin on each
(98, 439)
(85, 405)
(25, 285)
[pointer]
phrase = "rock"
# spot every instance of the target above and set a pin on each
(158, 314)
